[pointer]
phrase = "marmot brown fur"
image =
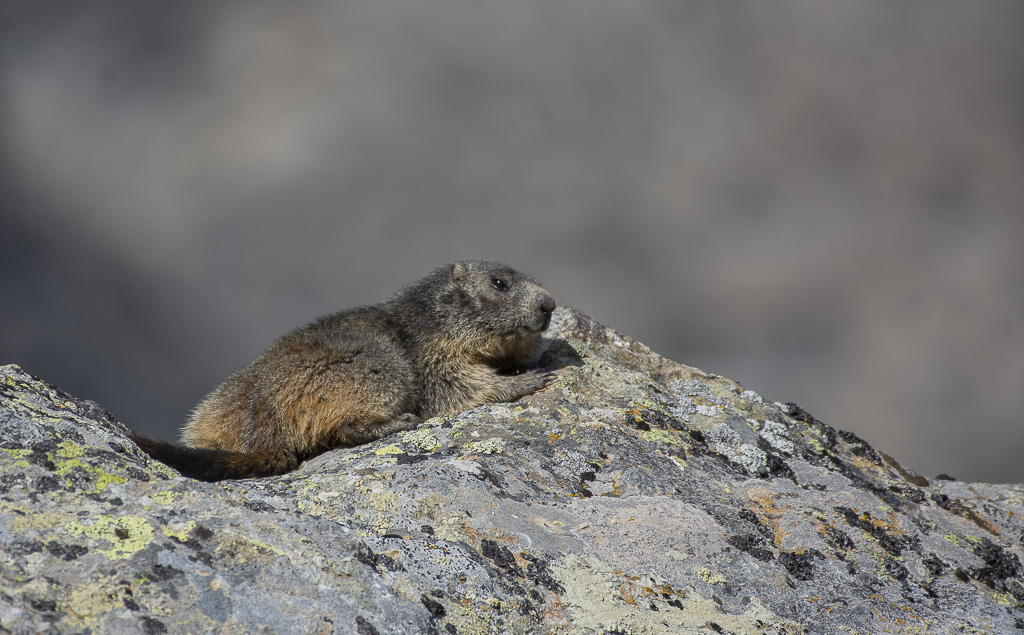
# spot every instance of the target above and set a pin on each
(458, 338)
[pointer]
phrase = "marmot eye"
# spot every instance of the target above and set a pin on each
(499, 284)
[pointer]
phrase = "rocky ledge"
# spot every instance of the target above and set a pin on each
(635, 495)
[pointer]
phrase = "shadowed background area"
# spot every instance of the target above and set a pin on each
(820, 199)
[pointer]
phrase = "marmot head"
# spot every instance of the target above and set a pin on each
(488, 307)
(498, 299)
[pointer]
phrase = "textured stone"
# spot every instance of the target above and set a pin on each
(635, 495)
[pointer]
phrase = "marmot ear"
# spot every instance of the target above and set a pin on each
(459, 271)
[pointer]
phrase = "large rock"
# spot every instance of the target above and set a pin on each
(636, 495)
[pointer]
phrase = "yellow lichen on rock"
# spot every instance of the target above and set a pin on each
(126, 534)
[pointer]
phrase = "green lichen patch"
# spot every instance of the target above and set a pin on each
(68, 450)
(487, 446)
(661, 436)
(14, 457)
(422, 438)
(179, 531)
(165, 497)
(126, 535)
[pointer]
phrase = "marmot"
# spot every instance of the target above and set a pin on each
(458, 338)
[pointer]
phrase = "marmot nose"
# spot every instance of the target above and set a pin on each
(547, 305)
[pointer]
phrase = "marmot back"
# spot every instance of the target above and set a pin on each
(460, 337)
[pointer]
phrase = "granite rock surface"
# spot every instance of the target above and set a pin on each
(634, 495)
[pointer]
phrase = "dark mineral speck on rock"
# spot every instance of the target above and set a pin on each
(632, 495)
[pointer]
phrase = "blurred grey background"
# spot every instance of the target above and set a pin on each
(820, 199)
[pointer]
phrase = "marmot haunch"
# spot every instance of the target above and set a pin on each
(458, 338)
